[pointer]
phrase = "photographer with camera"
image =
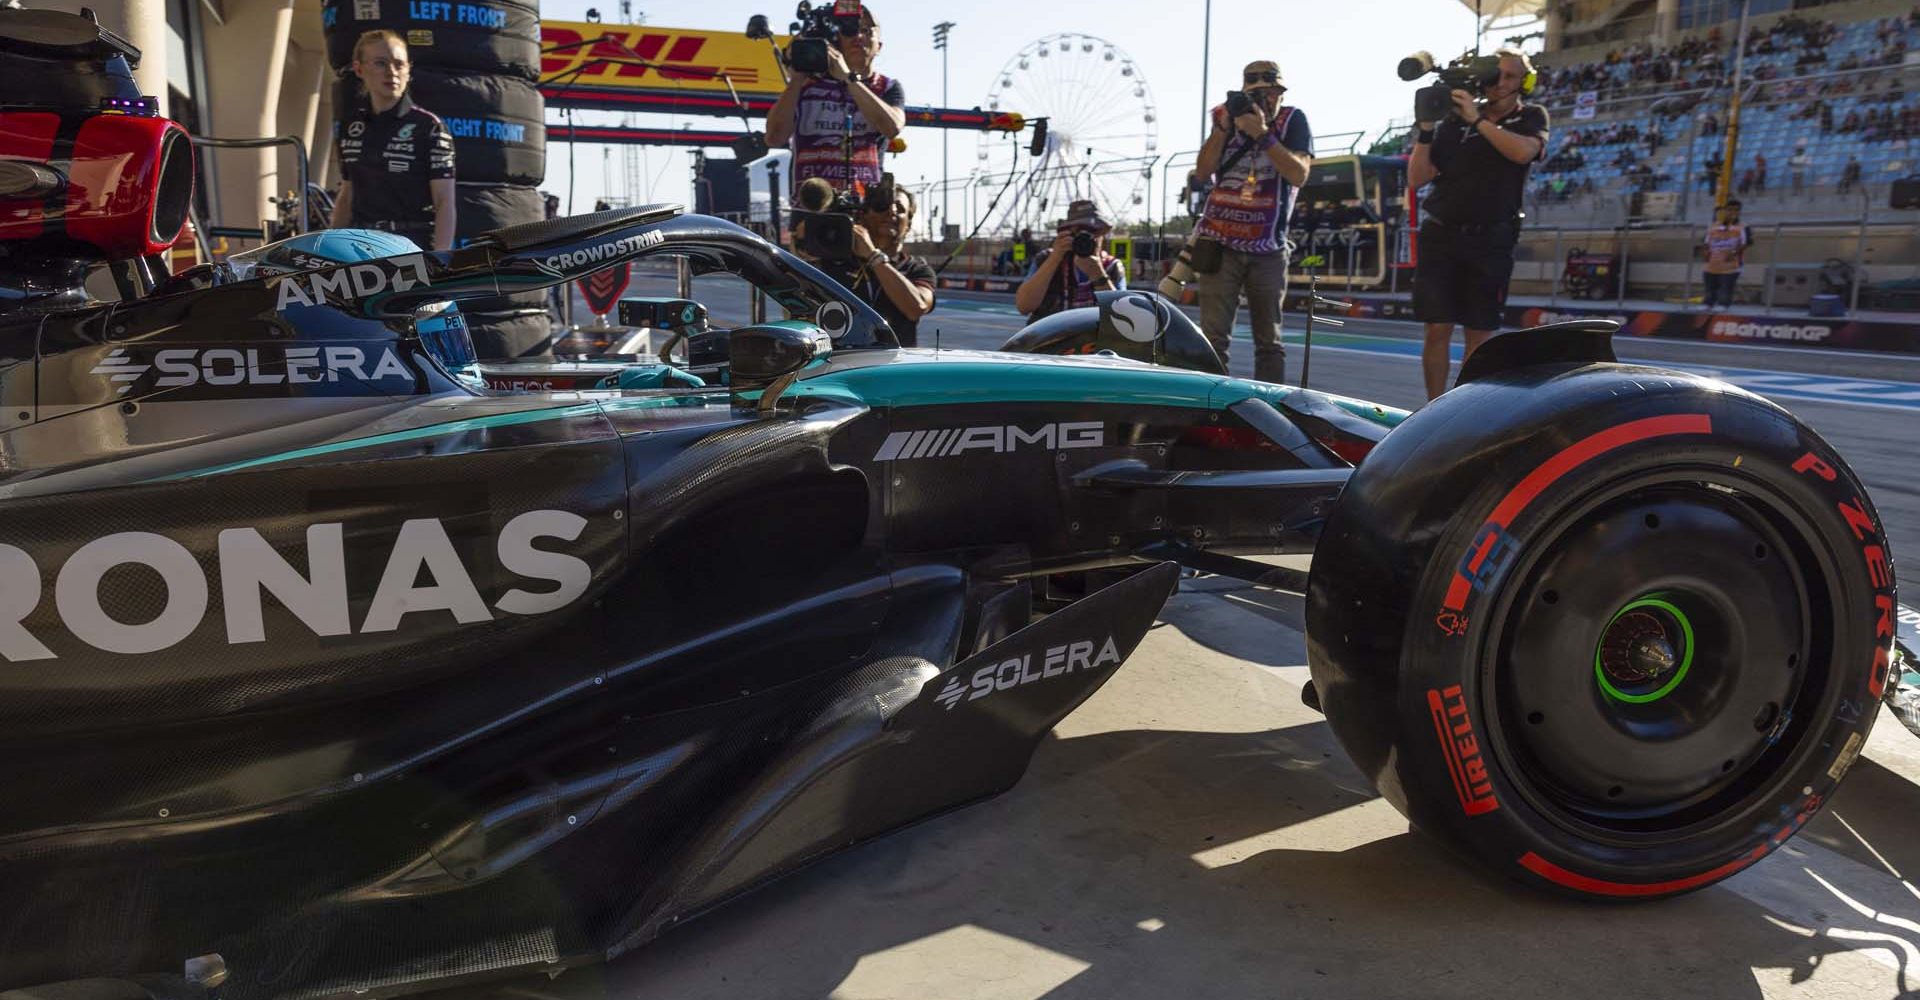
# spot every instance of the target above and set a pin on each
(837, 114)
(1067, 274)
(1476, 151)
(1258, 157)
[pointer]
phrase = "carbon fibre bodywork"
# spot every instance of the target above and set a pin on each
(366, 679)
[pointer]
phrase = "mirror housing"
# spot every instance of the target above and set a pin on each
(757, 355)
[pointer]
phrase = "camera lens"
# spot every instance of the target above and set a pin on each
(1083, 243)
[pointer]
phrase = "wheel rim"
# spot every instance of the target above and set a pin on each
(1651, 665)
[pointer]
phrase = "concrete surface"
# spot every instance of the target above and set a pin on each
(1194, 831)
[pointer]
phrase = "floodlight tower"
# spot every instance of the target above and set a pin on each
(940, 42)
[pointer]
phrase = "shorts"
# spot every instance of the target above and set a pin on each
(1462, 274)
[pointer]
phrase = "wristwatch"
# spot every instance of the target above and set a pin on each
(876, 258)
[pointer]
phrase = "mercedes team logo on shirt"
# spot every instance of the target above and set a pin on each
(356, 128)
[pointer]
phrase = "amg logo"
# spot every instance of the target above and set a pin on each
(1461, 750)
(1019, 671)
(356, 282)
(182, 366)
(423, 574)
(997, 438)
(1735, 330)
(611, 250)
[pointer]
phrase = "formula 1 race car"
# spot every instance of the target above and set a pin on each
(330, 671)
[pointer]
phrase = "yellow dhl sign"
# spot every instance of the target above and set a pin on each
(577, 53)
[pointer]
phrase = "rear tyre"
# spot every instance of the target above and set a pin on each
(1613, 632)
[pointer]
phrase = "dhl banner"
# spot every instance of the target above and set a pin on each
(634, 67)
(577, 54)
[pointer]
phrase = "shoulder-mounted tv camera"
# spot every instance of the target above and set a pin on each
(1471, 73)
(823, 217)
(815, 28)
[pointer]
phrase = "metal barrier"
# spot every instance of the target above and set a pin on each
(1787, 246)
(263, 233)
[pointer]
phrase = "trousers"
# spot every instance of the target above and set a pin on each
(1264, 279)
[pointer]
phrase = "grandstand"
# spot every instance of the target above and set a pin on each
(1829, 120)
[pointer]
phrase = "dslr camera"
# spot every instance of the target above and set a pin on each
(1471, 73)
(815, 28)
(823, 219)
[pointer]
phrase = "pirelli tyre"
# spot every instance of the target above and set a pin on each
(498, 124)
(482, 36)
(1612, 631)
(485, 207)
(509, 333)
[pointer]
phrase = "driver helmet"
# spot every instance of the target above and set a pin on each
(439, 327)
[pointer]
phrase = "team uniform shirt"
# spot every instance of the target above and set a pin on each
(822, 146)
(1727, 248)
(1070, 288)
(390, 158)
(1477, 184)
(1250, 204)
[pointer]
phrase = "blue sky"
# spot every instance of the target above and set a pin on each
(1338, 59)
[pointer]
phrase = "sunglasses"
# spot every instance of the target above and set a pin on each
(1264, 76)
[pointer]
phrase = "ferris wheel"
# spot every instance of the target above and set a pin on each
(1103, 132)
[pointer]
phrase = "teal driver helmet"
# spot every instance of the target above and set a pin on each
(440, 328)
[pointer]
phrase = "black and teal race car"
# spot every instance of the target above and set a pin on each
(330, 670)
(359, 675)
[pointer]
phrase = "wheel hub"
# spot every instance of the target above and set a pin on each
(1645, 651)
(1642, 647)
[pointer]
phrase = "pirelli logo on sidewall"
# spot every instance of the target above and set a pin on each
(1461, 749)
(951, 442)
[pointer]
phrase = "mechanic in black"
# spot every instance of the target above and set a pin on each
(1477, 161)
(898, 285)
(396, 159)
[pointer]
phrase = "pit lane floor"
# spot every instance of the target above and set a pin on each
(1195, 831)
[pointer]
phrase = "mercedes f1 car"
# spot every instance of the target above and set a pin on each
(329, 670)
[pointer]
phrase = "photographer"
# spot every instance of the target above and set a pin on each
(839, 124)
(1477, 160)
(898, 285)
(1067, 274)
(1258, 156)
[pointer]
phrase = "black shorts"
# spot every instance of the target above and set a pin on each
(1462, 274)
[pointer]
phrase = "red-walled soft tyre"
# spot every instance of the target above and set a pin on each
(1613, 631)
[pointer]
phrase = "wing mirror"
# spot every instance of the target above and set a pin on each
(756, 355)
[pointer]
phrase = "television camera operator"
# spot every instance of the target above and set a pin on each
(1477, 157)
(837, 114)
(873, 263)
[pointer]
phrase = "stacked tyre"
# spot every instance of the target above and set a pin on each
(476, 65)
